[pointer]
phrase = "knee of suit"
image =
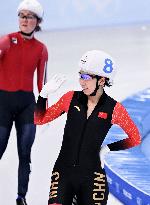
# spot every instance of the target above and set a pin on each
(24, 154)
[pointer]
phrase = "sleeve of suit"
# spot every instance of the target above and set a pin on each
(42, 69)
(43, 115)
(121, 117)
(4, 45)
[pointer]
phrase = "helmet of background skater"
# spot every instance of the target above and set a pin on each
(99, 63)
(33, 6)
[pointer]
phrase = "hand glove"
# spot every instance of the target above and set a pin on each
(52, 85)
(104, 151)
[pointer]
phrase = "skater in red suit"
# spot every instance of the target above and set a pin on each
(20, 55)
(79, 171)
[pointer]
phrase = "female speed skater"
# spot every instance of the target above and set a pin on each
(90, 114)
(20, 55)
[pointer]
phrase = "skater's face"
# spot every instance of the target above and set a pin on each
(88, 82)
(27, 21)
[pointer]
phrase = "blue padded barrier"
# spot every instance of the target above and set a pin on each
(128, 171)
(145, 146)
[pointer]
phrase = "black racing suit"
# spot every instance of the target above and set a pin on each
(77, 170)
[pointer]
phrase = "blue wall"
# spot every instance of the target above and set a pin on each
(60, 14)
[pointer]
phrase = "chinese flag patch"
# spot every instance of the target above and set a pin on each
(102, 115)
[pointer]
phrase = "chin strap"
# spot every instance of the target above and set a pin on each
(97, 87)
(27, 34)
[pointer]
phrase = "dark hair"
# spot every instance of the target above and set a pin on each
(107, 83)
(38, 28)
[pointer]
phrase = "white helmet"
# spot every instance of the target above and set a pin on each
(99, 63)
(31, 5)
